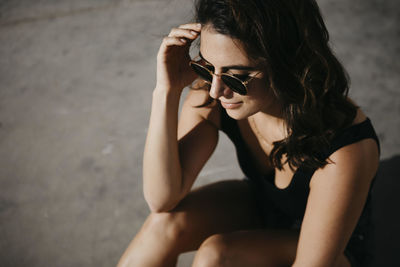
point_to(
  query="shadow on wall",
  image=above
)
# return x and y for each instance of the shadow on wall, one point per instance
(386, 213)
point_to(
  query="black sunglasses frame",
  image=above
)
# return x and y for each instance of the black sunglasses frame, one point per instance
(242, 89)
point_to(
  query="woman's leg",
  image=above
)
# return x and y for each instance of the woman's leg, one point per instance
(220, 207)
(261, 247)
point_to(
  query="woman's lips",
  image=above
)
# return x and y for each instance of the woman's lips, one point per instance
(231, 105)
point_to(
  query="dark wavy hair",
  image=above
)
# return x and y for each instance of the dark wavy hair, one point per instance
(291, 39)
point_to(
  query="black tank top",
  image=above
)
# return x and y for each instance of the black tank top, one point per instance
(292, 200)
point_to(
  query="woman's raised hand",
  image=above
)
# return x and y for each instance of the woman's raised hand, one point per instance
(173, 70)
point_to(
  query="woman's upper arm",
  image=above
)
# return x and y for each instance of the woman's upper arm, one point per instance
(338, 193)
(197, 136)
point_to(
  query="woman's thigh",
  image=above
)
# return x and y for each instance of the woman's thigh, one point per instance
(220, 207)
(263, 247)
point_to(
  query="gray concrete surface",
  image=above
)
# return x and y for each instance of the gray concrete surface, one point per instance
(75, 88)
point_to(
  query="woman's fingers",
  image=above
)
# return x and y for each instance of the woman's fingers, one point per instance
(168, 41)
(173, 69)
(181, 36)
(191, 26)
(183, 33)
(189, 31)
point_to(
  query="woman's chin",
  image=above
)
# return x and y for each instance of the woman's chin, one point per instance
(237, 114)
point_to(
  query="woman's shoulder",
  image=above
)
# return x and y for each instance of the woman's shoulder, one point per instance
(356, 144)
(359, 137)
(354, 153)
(360, 117)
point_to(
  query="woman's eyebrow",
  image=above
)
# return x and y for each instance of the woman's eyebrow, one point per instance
(230, 67)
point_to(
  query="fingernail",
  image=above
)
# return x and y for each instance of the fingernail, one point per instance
(193, 32)
(183, 40)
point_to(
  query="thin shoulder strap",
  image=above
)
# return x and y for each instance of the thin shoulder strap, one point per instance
(348, 136)
(351, 135)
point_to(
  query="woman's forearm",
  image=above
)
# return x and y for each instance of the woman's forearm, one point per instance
(162, 175)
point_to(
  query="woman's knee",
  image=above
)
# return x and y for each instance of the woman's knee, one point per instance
(214, 251)
(227, 250)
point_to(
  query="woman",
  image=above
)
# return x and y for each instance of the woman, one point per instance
(268, 79)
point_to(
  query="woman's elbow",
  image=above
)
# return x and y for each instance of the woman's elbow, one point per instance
(161, 205)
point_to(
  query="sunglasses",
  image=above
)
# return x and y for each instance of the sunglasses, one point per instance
(234, 83)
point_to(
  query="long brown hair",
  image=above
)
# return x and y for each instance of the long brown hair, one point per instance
(291, 39)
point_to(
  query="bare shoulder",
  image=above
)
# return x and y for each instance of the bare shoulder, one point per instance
(357, 161)
(360, 117)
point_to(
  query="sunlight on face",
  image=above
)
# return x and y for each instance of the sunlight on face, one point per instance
(226, 55)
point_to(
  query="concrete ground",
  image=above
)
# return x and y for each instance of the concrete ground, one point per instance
(75, 88)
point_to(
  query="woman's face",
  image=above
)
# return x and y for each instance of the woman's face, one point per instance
(227, 56)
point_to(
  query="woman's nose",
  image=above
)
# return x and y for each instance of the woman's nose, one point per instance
(218, 87)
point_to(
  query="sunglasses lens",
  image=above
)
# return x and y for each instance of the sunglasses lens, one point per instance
(235, 84)
(202, 72)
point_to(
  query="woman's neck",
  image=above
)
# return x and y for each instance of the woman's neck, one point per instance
(267, 127)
